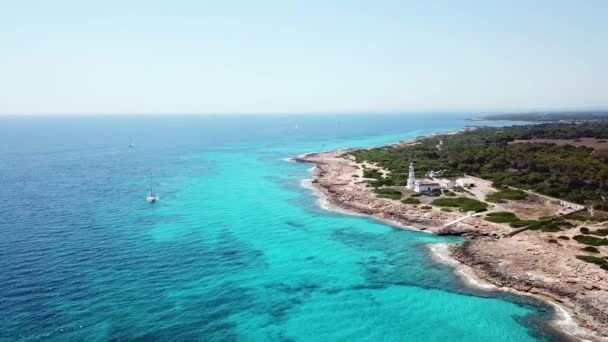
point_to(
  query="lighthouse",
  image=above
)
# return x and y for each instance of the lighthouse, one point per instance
(411, 177)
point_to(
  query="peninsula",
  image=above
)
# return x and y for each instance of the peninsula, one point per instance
(530, 201)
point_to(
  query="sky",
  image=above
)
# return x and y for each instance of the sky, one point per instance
(230, 56)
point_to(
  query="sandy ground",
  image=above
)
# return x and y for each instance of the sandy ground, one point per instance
(527, 262)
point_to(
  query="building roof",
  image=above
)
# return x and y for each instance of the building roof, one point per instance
(425, 182)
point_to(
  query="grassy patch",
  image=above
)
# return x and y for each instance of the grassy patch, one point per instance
(599, 232)
(461, 189)
(465, 204)
(501, 217)
(506, 194)
(372, 173)
(447, 210)
(388, 193)
(521, 223)
(576, 217)
(590, 249)
(591, 240)
(546, 225)
(592, 259)
(411, 200)
(449, 193)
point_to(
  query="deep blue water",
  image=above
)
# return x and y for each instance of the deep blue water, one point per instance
(235, 249)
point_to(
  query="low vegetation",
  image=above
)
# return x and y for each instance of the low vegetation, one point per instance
(547, 225)
(599, 232)
(388, 193)
(461, 189)
(590, 249)
(592, 259)
(521, 223)
(465, 204)
(591, 240)
(576, 217)
(501, 217)
(411, 200)
(507, 194)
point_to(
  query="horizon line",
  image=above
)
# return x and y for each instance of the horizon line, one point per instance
(412, 111)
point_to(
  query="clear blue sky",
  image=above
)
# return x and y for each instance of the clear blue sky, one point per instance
(136, 56)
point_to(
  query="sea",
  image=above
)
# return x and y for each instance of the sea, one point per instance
(235, 249)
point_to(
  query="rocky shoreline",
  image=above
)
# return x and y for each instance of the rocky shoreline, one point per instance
(527, 263)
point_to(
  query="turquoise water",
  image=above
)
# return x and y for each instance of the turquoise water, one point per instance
(235, 249)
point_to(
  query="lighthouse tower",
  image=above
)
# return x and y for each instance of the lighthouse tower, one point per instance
(411, 177)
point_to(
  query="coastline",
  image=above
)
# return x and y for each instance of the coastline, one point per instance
(335, 193)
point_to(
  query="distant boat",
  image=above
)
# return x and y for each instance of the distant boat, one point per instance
(151, 198)
(131, 144)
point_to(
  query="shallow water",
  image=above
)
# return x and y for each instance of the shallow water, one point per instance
(235, 249)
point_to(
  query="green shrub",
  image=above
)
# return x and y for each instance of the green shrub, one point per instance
(598, 218)
(388, 193)
(507, 194)
(599, 232)
(502, 217)
(465, 204)
(449, 193)
(521, 223)
(552, 241)
(601, 206)
(461, 189)
(591, 259)
(584, 230)
(563, 237)
(547, 225)
(576, 217)
(372, 173)
(591, 240)
(411, 200)
(590, 249)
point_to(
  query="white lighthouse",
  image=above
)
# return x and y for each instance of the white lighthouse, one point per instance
(411, 177)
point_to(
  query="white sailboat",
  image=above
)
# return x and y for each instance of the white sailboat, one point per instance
(151, 197)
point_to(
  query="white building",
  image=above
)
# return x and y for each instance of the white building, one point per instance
(464, 182)
(426, 185)
(571, 205)
(411, 177)
(445, 183)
